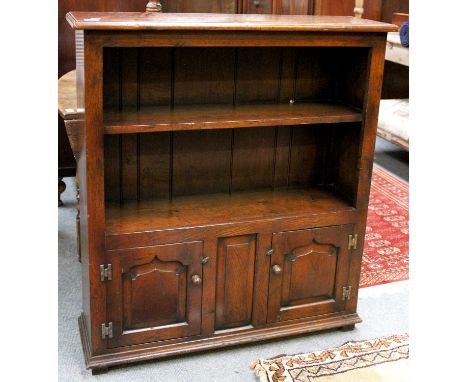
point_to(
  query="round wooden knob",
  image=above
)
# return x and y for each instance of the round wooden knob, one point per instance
(196, 280)
(276, 269)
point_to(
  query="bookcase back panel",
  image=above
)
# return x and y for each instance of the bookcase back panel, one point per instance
(352, 74)
(258, 75)
(253, 158)
(203, 76)
(308, 155)
(315, 73)
(343, 170)
(201, 162)
(154, 79)
(163, 165)
(137, 77)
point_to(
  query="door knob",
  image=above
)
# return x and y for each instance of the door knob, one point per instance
(276, 269)
(196, 280)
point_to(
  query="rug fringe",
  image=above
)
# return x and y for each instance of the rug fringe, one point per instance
(396, 346)
(259, 370)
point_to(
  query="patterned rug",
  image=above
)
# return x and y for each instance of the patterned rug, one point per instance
(385, 257)
(381, 359)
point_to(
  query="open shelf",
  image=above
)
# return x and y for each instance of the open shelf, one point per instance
(222, 208)
(196, 117)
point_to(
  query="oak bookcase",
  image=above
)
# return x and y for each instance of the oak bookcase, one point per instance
(224, 165)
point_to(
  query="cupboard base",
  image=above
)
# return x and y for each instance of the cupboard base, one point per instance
(146, 352)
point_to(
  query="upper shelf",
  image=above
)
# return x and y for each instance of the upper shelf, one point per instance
(198, 117)
(228, 22)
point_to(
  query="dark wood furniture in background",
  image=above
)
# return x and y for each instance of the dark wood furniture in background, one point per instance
(72, 118)
(381, 10)
(66, 160)
(396, 72)
(225, 165)
(66, 43)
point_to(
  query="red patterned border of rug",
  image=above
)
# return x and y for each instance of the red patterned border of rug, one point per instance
(386, 255)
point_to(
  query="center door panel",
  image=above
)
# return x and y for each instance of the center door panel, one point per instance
(308, 271)
(235, 281)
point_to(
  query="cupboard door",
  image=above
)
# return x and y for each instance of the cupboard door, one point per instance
(155, 293)
(308, 271)
(235, 281)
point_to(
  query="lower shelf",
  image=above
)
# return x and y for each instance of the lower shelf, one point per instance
(218, 209)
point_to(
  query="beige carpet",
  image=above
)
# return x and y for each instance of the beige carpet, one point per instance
(381, 359)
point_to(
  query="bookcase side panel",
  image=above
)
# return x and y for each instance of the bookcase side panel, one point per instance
(91, 178)
(373, 86)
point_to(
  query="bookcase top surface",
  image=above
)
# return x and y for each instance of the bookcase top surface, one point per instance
(228, 22)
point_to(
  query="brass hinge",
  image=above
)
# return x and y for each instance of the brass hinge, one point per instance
(346, 293)
(352, 241)
(269, 252)
(106, 331)
(106, 272)
(204, 259)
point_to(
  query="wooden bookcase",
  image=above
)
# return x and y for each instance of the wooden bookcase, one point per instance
(224, 165)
